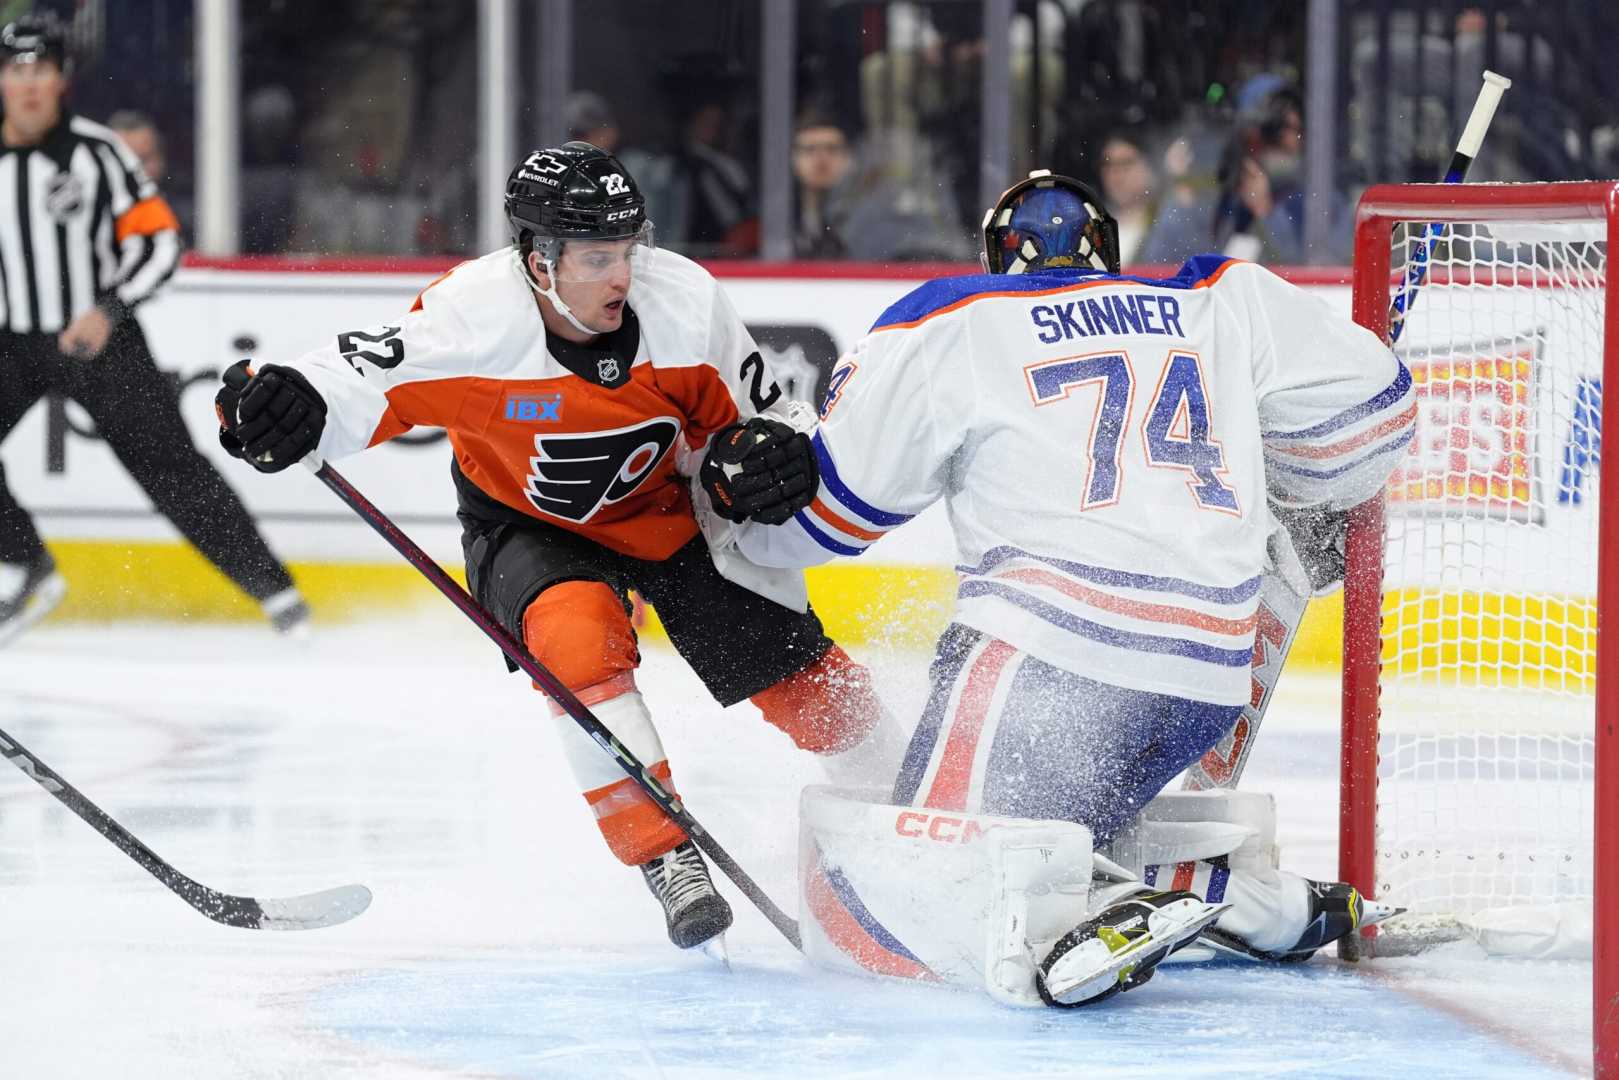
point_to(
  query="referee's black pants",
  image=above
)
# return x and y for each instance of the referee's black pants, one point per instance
(136, 411)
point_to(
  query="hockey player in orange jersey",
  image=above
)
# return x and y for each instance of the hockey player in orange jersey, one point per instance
(581, 376)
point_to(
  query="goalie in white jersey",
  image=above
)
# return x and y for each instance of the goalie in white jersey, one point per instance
(1107, 446)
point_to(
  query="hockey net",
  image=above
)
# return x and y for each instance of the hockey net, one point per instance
(1475, 686)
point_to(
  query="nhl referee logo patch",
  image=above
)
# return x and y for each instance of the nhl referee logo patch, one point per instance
(64, 196)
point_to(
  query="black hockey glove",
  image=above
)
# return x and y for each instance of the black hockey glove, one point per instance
(761, 471)
(270, 418)
(1318, 536)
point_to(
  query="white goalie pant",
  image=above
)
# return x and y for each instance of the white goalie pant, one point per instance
(942, 896)
(1220, 845)
(976, 900)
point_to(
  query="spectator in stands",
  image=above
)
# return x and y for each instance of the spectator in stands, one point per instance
(1261, 207)
(269, 169)
(821, 165)
(1153, 227)
(920, 94)
(712, 195)
(589, 118)
(140, 134)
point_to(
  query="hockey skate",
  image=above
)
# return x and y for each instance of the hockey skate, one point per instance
(1120, 948)
(694, 910)
(41, 589)
(1337, 909)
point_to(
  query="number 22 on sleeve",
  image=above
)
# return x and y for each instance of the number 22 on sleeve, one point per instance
(1176, 433)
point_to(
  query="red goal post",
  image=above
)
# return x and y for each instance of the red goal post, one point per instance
(1466, 595)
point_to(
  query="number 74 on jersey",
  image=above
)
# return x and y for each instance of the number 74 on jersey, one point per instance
(1177, 432)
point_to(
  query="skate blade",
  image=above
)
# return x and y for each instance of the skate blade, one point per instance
(1149, 951)
(1199, 952)
(715, 949)
(42, 603)
(1372, 912)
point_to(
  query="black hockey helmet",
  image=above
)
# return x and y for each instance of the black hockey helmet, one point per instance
(34, 37)
(575, 191)
(1049, 222)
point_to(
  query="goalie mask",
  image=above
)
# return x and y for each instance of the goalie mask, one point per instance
(1049, 222)
(576, 195)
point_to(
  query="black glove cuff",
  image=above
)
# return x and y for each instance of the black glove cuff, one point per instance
(115, 309)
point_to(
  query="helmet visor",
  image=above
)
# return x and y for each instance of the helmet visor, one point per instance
(599, 260)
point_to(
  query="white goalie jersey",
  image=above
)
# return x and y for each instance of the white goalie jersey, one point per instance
(1106, 446)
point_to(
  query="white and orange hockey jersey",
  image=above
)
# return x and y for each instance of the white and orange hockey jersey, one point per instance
(592, 447)
(1105, 446)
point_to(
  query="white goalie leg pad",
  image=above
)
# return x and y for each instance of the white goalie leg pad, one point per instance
(872, 763)
(1171, 843)
(936, 896)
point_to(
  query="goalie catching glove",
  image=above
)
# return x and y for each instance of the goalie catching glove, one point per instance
(271, 418)
(761, 471)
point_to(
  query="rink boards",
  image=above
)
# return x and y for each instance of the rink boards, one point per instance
(123, 561)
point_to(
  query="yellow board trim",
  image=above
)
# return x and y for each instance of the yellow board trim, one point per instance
(1478, 638)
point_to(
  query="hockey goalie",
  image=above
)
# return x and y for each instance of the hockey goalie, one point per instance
(1123, 460)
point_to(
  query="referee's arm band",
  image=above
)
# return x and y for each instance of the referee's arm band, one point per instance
(146, 218)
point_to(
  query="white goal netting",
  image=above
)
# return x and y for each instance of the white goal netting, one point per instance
(1488, 641)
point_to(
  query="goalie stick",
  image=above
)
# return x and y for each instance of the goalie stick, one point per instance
(309, 912)
(667, 801)
(1281, 605)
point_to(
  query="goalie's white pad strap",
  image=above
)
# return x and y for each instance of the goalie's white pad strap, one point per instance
(935, 896)
(1170, 844)
(1188, 826)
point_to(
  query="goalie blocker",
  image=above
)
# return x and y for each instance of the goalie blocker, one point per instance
(1030, 912)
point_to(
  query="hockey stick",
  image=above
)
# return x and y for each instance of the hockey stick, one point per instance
(1281, 607)
(309, 912)
(668, 802)
(1416, 271)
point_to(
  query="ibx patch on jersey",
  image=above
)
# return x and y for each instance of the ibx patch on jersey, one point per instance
(574, 476)
(533, 408)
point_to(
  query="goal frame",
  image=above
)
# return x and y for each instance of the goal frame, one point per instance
(1380, 208)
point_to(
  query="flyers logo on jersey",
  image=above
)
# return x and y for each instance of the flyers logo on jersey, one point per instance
(574, 476)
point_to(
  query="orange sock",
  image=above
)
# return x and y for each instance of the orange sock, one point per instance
(826, 708)
(636, 828)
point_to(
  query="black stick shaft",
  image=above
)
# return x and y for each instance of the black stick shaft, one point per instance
(669, 803)
(232, 910)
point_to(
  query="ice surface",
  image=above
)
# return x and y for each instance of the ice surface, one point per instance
(505, 942)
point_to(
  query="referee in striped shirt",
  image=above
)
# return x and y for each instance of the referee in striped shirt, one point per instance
(84, 239)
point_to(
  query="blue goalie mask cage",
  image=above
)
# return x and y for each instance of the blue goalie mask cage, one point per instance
(1050, 222)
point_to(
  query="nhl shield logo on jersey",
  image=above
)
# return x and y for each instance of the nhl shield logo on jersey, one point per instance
(574, 476)
(64, 196)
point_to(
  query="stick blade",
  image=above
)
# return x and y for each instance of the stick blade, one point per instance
(312, 911)
(315, 911)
